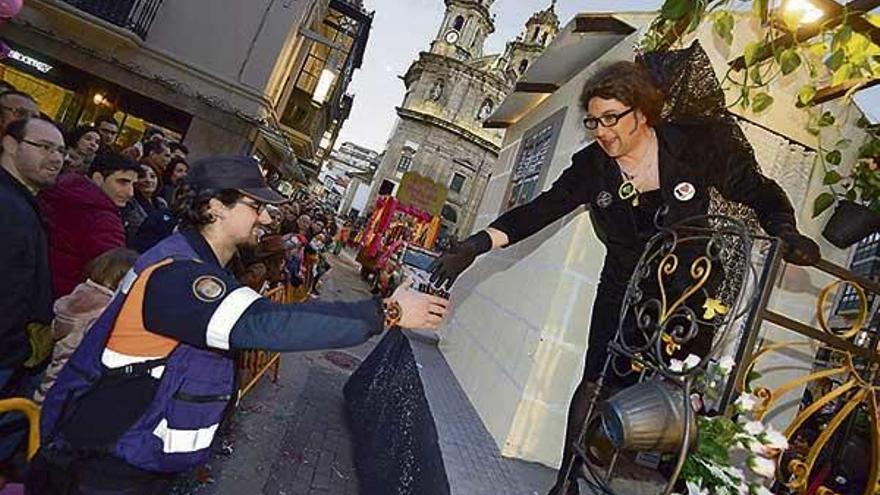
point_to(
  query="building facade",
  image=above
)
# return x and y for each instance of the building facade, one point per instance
(450, 91)
(222, 75)
(346, 177)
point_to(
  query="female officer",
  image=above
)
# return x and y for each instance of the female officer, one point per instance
(636, 166)
(143, 395)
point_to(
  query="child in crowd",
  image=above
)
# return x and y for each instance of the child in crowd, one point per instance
(75, 312)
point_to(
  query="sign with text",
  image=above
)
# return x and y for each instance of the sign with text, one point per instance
(422, 193)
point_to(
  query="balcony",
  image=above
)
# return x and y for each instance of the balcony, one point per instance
(135, 15)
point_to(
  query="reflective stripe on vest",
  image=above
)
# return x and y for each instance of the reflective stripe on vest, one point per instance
(176, 441)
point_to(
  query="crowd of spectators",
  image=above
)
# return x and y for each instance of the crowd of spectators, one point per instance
(76, 210)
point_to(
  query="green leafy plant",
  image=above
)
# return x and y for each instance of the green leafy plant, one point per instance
(834, 57)
(861, 183)
(734, 454)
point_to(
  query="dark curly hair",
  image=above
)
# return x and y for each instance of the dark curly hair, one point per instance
(629, 83)
(191, 205)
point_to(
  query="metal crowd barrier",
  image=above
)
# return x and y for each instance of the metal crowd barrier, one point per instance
(253, 364)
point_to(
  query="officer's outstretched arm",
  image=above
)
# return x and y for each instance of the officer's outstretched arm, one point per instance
(204, 306)
(306, 326)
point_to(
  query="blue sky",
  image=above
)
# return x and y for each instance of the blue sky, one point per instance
(403, 28)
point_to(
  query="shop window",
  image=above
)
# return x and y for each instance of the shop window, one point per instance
(53, 100)
(457, 182)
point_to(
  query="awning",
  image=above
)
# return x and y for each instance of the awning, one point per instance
(289, 167)
(583, 40)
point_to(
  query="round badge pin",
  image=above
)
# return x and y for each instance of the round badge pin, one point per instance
(208, 288)
(604, 199)
(684, 191)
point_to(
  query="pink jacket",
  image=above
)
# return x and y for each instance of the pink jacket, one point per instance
(74, 314)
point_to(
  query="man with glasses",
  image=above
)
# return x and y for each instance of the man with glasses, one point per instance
(15, 105)
(29, 163)
(638, 170)
(142, 398)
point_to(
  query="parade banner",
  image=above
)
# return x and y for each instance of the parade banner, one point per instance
(422, 193)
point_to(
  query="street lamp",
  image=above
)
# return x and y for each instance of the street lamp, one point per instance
(803, 11)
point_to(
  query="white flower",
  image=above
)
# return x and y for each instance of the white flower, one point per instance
(754, 428)
(676, 365)
(692, 361)
(773, 439)
(762, 466)
(696, 488)
(726, 364)
(734, 473)
(746, 402)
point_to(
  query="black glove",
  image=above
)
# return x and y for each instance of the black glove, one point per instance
(449, 266)
(797, 248)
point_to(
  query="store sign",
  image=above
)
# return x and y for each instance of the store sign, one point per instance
(422, 192)
(30, 61)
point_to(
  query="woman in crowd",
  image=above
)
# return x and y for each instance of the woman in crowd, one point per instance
(174, 173)
(83, 143)
(145, 201)
(75, 312)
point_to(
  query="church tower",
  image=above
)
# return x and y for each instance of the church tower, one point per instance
(465, 27)
(540, 30)
(451, 90)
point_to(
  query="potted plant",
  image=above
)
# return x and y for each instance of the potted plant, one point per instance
(734, 453)
(857, 194)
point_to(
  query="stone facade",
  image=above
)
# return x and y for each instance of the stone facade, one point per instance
(450, 91)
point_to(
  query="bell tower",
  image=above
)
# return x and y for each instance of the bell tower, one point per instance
(540, 30)
(465, 27)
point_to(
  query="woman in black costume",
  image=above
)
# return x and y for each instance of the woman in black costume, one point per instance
(636, 166)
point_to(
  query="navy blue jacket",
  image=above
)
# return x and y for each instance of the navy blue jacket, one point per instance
(26, 285)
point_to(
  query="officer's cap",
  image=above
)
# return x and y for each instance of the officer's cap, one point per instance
(232, 172)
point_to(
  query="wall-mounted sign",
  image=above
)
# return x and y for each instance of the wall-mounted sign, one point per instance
(422, 192)
(30, 61)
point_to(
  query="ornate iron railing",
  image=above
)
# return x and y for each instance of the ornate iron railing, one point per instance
(709, 276)
(134, 15)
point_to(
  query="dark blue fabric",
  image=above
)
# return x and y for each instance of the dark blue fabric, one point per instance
(192, 375)
(396, 449)
(171, 307)
(26, 287)
(306, 326)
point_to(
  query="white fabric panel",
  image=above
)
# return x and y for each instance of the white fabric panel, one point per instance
(127, 281)
(184, 441)
(227, 314)
(113, 359)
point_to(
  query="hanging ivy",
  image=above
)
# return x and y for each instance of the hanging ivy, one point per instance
(829, 51)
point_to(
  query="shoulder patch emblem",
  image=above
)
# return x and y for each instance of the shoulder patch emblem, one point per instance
(684, 191)
(208, 288)
(603, 199)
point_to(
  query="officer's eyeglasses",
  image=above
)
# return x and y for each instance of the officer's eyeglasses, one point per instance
(260, 208)
(607, 120)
